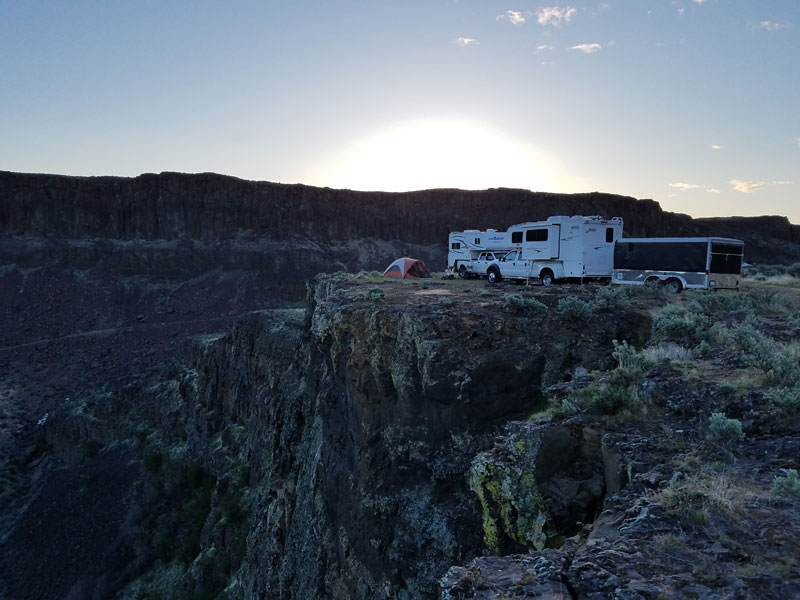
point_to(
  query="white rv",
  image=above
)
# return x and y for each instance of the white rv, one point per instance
(558, 248)
(678, 263)
(467, 249)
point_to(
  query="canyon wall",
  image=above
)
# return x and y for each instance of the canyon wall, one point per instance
(210, 207)
(308, 453)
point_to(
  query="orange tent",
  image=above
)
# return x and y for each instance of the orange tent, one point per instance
(403, 268)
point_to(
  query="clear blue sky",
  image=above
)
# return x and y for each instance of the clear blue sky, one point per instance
(695, 104)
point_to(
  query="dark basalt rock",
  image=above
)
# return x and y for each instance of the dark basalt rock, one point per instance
(210, 207)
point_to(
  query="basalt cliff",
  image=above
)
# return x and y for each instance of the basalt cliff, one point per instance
(190, 411)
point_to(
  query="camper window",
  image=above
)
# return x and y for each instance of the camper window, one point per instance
(477, 241)
(516, 237)
(609, 234)
(455, 246)
(536, 235)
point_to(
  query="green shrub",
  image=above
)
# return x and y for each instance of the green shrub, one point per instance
(615, 395)
(574, 309)
(724, 431)
(718, 334)
(793, 269)
(785, 397)
(611, 400)
(568, 407)
(787, 485)
(610, 299)
(728, 388)
(745, 337)
(721, 302)
(627, 356)
(689, 505)
(445, 301)
(375, 294)
(703, 348)
(769, 301)
(515, 302)
(780, 364)
(624, 377)
(340, 276)
(679, 324)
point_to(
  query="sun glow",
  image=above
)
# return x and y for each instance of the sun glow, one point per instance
(437, 153)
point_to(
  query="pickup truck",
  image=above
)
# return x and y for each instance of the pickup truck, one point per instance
(477, 267)
(512, 266)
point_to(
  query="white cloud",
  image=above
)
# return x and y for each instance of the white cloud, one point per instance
(587, 48)
(681, 12)
(555, 15)
(465, 41)
(685, 187)
(715, 147)
(548, 63)
(513, 16)
(798, 142)
(699, 1)
(783, 183)
(773, 26)
(746, 187)
(544, 48)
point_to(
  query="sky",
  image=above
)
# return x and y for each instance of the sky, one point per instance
(693, 103)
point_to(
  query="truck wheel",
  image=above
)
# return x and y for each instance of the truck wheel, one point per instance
(493, 275)
(462, 272)
(673, 285)
(546, 278)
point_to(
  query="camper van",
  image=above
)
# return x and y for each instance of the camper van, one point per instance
(559, 248)
(678, 263)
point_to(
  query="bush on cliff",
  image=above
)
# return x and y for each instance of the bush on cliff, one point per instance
(724, 431)
(516, 303)
(787, 486)
(574, 310)
(611, 299)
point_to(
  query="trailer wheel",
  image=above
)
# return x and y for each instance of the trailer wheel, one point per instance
(493, 275)
(546, 278)
(462, 272)
(673, 285)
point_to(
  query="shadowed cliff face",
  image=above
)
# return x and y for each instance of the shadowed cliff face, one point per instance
(212, 207)
(316, 453)
(209, 207)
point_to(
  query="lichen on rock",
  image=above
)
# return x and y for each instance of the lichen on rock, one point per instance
(514, 515)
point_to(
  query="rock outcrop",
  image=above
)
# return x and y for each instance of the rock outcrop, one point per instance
(345, 433)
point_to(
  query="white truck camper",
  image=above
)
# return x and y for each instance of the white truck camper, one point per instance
(678, 263)
(559, 248)
(470, 247)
